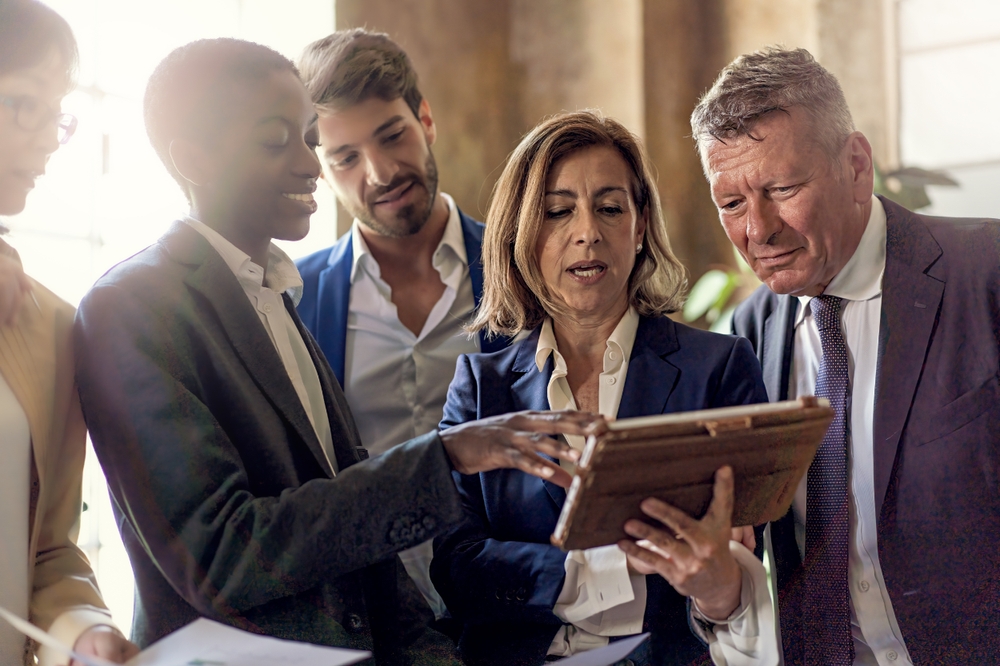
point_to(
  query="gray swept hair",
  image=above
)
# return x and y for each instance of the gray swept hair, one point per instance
(772, 79)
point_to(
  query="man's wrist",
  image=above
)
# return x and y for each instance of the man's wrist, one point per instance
(721, 606)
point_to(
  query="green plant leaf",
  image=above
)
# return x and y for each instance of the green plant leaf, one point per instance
(705, 293)
(724, 323)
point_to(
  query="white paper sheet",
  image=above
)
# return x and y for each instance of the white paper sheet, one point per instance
(208, 643)
(605, 656)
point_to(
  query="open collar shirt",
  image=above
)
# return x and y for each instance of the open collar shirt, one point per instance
(599, 598)
(265, 295)
(396, 382)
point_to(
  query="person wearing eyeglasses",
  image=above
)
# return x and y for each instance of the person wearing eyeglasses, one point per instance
(44, 576)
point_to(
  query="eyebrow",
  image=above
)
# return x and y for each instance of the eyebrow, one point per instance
(599, 193)
(378, 130)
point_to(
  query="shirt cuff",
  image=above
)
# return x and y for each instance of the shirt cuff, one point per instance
(748, 637)
(68, 628)
(597, 579)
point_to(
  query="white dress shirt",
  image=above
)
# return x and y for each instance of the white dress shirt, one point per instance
(15, 500)
(265, 293)
(396, 382)
(599, 597)
(877, 639)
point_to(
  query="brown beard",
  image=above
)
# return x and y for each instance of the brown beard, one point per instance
(414, 216)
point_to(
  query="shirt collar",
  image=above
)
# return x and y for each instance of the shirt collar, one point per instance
(282, 275)
(861, 277)
(453, 242)
(621, 339)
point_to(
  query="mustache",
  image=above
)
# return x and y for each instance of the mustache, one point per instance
(376, 194)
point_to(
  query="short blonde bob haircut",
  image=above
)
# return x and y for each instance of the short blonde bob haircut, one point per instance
(515, 297)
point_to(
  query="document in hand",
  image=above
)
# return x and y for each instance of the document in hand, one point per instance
(673, 457)
(208, 643)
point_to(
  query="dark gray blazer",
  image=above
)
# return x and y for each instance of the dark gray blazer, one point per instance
(936, 435)
(224, 499)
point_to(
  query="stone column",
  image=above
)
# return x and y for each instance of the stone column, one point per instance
(684, 49)
(846, 36)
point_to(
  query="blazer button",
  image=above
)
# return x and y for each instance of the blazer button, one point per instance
(353, 623)
(521, 593)
(497, 594)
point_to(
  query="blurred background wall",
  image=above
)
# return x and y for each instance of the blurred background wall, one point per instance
(920, 77)
(493, 68)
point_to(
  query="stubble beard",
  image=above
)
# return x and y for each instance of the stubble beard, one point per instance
(411, 218)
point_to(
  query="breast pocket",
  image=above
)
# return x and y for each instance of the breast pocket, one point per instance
(957, 414)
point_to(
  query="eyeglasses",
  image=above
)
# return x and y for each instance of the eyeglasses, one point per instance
(32, 115)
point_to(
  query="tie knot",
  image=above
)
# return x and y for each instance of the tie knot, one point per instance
(826, 311)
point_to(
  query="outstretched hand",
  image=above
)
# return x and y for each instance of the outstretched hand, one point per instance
(104, 642)
(692, 555)
(516, 440)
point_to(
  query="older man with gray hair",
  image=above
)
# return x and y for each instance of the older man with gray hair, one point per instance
(890, 553)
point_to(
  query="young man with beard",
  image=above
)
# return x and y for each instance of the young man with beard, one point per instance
(388, 302)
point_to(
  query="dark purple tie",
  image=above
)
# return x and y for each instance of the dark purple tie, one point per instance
(826, 613)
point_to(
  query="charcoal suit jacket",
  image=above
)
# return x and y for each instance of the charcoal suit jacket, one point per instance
(225, 500)
(936, 435)
(498, 572)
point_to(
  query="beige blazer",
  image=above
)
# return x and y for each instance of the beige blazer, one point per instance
(36, 360)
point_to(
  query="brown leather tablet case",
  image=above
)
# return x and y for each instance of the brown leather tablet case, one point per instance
(674, 457)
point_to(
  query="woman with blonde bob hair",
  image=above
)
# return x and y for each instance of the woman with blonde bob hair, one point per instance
(576, 252)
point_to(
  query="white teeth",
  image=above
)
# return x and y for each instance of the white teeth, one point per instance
(308, 198)
(587, 272)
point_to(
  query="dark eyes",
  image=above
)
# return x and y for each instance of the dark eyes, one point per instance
(347, 161)
(607, 211)
(394, 137)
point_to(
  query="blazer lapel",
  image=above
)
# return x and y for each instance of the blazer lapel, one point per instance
(31, 377)
(214, 280)
(910, 302)
(530, 391)
(779, 332)
(347, 446)
(472, 233)
(334, 300)
(651, 378)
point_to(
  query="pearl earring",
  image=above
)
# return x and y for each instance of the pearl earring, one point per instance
(638, 248)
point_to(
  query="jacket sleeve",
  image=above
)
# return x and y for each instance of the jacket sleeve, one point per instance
(481, 576)
(180, 482)
(65, 600)
(741, 382)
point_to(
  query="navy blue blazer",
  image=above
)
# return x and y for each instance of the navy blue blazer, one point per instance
(326, 292)
(498, 572)
(936, 436)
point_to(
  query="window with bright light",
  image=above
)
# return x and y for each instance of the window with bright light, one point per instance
(949, 56)
(106, 196)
